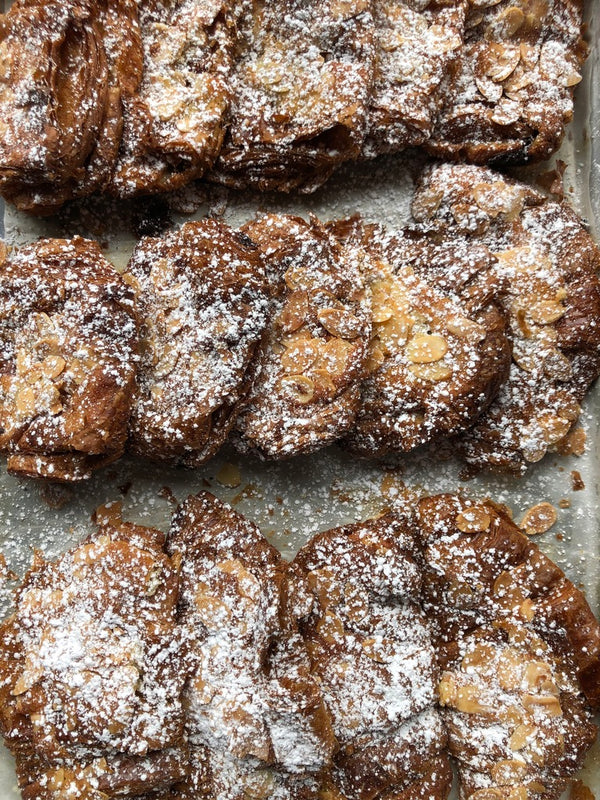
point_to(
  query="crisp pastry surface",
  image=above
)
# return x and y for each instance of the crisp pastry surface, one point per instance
(519, 648)
(202, 298)
(175, 122)
(68, 349)
(301, 85)
(437, 354)
(67, 67)
(370, 649)
(549, 264)
(416, 44)
(219, 670)
(511, 93)
(90, 669)
(256, 721)
(306, 388)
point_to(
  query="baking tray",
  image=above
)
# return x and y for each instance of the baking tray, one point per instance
(291, 501)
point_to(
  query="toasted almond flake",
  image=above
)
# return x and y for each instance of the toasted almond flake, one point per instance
(340, 322)
(521, 735)
(545, 312)
(426, 348)
(299, 388)
(229, 475)
(474, 519)
(431, 372)
(508, 771)
(549, 704)
(538, 519)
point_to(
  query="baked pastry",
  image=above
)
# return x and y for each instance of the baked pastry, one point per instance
(416, 44)
(301, 85)
(438, 354)
(175, 122)
(91, 669)
(371, 652)
(68, 350)
(202, 298)
(519, 648)
(549, 264)
(306, 390)
(511, 93)
(255, 720)
(66, 67)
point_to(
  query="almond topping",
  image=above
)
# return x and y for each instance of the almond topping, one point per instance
(299, 388)
(340, 322)
(433, 373)
(426, 348)
(473, 520)
(549, 704)
(538, 519)
(520, 736)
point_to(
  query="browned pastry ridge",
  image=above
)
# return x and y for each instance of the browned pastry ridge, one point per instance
(66, 66)
(510, 95)
(438, 354)
(68, 350)
(90, 669)
(370, 650)
(301, 85)
(519, 648)
(202, 298)
(256, 721)
(416, 44)
(306, 389)
(549, 264)
(174, 124)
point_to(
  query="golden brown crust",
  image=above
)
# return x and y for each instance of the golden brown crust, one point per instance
(202, 298)
(549, 265)
(66, 68)
(519, 648)
(68, 344)
(300, 90)
(306, 391)
(255, 717)
(372, 655)
(438, 354)
(416, 45)
(174, 124)
(511, 94)
(91, 668)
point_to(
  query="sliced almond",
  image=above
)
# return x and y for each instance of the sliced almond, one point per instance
(426, 348)
(501, 60)
(300, 355)
(464, 328)
(298, 388)
(473, 520)
(521, 736)
(433, 373)
(545, 312)
(509, 771)
(549, 704)
(294, 313)
(53, 366)
(229, 475)
(468, 701)
(538, 519)
(331, 628)
(340, 322)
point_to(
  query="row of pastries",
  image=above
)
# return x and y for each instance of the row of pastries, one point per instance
(202, 664)
(132, 97)
(478, 321)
